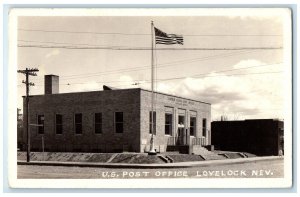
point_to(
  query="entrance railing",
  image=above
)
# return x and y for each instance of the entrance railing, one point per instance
(199, 141)
(179, 141)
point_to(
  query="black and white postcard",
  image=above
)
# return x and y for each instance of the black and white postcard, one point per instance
(150, 98)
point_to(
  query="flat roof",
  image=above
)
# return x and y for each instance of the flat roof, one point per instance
(52, 75)
(122, 90)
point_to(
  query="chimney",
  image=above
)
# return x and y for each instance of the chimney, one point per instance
(51, 84)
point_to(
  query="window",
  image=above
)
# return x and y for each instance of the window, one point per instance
(154, 122)
(98, 122)
(204, 127)
(168, 124)
(181, 120)
(40, 122)
(78, 123)
(192, 126)
(58, 124)
(119, 122)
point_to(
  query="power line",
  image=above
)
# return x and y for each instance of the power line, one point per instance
(81, 32)
(140, 34)
(172, 65)
(176, 78)
(70, 77)
(83, 44)
(220, 71)
(162, 65)
(103, 46)
(236, 35)
(147, 48)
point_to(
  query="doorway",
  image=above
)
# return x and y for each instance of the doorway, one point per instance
(181, 130)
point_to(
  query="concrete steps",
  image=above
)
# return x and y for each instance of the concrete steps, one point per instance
(166, 158)
(201, 151)
(206, 154)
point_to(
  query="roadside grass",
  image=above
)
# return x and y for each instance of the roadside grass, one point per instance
(185, 157)
(147, 159)
(133, 158)
(66, 157)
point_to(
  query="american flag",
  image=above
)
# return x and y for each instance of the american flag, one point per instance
(168, 39)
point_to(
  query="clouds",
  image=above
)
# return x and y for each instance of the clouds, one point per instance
(54, 52)
(249, 96)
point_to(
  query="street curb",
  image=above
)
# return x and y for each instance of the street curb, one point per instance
(142, 166)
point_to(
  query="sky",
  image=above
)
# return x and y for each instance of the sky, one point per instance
(240, 84)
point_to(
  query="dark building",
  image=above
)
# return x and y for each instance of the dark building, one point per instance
(114, 120)
(260, 137)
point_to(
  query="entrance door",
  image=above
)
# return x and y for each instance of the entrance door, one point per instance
(181, 130)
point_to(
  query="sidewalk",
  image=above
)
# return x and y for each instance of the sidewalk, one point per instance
(166, 165)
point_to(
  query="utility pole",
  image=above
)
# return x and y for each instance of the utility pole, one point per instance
(27, 72)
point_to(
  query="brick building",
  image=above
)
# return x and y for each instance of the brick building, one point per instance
(114, 120)
(260, 136)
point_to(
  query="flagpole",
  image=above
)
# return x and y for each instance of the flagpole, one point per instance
(152, 150)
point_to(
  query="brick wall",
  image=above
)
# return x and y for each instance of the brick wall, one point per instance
(175, 105)
(135, 105)
(87, 103)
